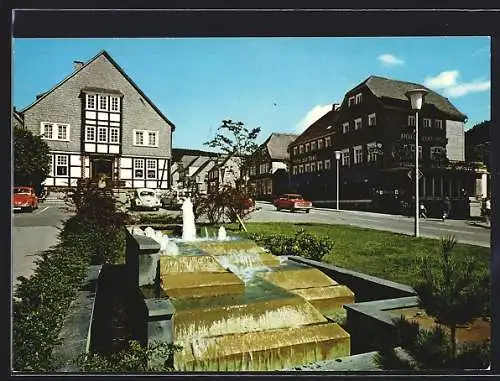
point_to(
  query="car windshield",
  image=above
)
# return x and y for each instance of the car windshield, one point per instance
(22, 191)
(295, 197)
(147, 193)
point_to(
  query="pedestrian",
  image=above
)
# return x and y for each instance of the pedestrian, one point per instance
(423, 210)
(446, 208)
(487, 209)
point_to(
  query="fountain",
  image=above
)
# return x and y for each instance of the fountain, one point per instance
(237, 307)
(222, 235)
(188, 226)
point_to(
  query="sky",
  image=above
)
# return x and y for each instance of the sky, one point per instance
(278, 84)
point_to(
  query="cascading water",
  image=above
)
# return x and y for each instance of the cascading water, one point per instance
(222, 236)
(188, 226)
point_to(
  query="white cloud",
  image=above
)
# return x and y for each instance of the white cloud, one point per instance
(390, 59)
(442, 80)
(447, 81)
(313, 115)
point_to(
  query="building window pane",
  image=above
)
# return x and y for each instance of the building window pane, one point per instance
(139, 138)
(320, 144)
(351, 101)
(114, 135)
(152, 138)
(313, 146)
(47, 131)
(359, 98)
(438, 123)
(61, 165)
(313, 167)
(357, 124)
(358, 155)
(301, 148)
(328, 164)
(307, 147)
(139, 168)
(328, 141)
(345, 127)
(346, 157)
(62, 132)
(372, 120)
(411, 120)
(151, 169)
(89, 133)
(102, 135)
(427, 122)
(103, 102)
(294, 151)
(91, 101)
(320, 165)
(115, 104)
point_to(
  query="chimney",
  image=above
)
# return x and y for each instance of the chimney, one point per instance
(77, 65)
(335, 106)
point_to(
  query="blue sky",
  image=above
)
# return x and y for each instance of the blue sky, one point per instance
(278, 84)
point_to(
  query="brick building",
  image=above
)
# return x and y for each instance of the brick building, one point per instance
(374, 129)
(98, 123)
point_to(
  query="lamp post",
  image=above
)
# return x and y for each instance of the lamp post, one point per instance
(416, 97)
(337, 158)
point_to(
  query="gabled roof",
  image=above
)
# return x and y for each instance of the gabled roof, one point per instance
(321, 127)
(277, 145)
(204, 166)
(178, 153)
(18, 116)
(385, 88)
(113, 62)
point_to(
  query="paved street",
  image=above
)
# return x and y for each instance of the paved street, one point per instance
(433, 228)
(33, 233)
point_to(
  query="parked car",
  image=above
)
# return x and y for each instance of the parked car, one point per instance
(24, 198)
(292, 202)
(145, 198)
(174, 199)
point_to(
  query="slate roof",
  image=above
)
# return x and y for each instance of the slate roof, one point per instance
(385, 88)
(321, 127)
(277, 145)
(113, 62)
(178, 153)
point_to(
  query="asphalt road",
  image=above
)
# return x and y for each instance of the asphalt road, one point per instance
(33, 233)
(432, 228)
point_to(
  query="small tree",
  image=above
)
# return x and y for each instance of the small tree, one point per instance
(31, 159)
(450, 289)
(233, 139)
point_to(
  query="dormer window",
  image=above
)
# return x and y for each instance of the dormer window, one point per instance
(351, 101)
(359, 98)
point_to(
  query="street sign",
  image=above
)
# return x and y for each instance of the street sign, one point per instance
(411, 174)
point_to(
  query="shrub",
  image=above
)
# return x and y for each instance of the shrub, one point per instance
(166, 219)
(156, 357)
(302, 244)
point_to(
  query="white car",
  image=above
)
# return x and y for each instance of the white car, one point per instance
(145, 198)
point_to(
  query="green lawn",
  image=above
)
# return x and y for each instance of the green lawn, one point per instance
(386, 255)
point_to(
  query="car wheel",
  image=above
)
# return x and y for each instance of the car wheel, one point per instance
(278, 209)
(307, 210)
(292, 210)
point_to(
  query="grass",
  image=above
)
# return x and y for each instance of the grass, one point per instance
(386, 255)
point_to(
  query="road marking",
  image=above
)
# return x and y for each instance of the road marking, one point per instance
(43, 210)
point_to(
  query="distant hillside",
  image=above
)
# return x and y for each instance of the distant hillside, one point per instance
(177, 153)
(477, 143)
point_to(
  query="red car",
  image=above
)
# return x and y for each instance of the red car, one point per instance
(24, 198)
(293, 202)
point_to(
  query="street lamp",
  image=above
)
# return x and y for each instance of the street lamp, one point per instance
(337, 157)
(416, 97)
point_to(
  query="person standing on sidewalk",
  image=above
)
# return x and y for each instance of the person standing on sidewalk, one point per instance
(446, 208)
(487, 210)
(423, 210)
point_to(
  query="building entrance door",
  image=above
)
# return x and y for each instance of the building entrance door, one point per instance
(102, 168)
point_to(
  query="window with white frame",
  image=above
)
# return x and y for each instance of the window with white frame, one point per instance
(307, 167)
(412, 148)
(90, 101)
(313, 167)
(115, 104)
(411, 120)
(151, 168)
(301, 148)
(307, 147)
(438, 123)
(328, 164)
(152, 138)
(301, 168)
(358, 123)
(372, 119)
(320, 144)
(294, 170)
(320, 165)
(103, 102)
(295, 150)
(90, 133)
(313, 146)
(359, 98)
(139, 138)
(114, 135)
(358, 154)
(146, 138)
(372, 152)
(328, 141)
(346, 157)
(345, 127)
(437, 152)
(102, 134)
(55, 131)
(61, 165)
(427, 122)
(351, 101)
(139, 168)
